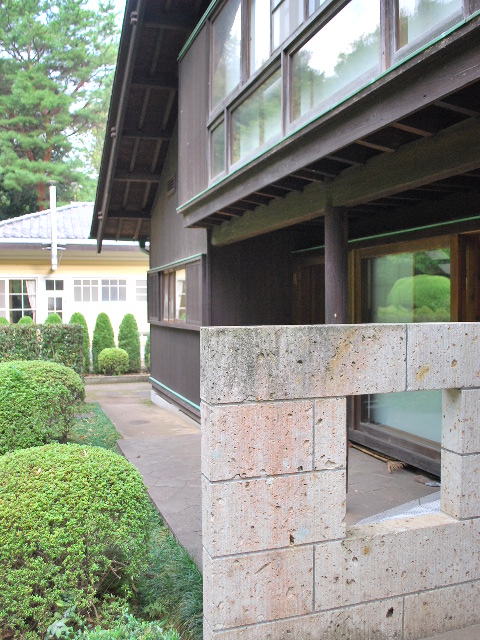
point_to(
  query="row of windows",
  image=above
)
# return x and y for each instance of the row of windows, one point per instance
(344, 53)
(106, 290)
(175, 295)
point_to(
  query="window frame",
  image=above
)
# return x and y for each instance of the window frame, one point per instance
(53, 294)
(8, 309)
(82, 286)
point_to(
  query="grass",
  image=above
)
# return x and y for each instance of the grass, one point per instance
(170, 591)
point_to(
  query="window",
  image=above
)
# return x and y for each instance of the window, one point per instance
(417, 17)
(259, 33)
(346, 48)
(226, 55)
(217, 150)
(153, 289)
(54, 296)
(141, 290)
(85, 290)
(175, 295)
(22, 299)
(287, 15)
(114, 290)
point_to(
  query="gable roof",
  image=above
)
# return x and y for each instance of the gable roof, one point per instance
(73, 223)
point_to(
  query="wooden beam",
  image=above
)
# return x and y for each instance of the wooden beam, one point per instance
(336, 266)
(125, 176)
(170, 21)
(140, 134)
(125, 214)
(158, 82)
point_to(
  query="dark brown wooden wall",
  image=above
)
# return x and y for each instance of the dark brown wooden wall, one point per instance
(193, 115)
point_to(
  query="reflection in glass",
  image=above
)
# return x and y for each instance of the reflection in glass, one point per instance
(180, 295)
(313, 5)
(287, 16)
(217, 148)
(419, 16)
(226, 41)
(259, 119)
(339, 54)
(408, 287)
(259, 33)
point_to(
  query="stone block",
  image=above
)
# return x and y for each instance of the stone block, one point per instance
(251, 440)
(274, 512)
(461, 420)
(433, 612)
(460, 495)
(248, 364)
(259, 587)
(396, 557)
(331, 433)
(443, 356)
(373, 621)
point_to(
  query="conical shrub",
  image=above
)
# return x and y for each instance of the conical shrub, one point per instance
(129, 340)
(79, 318)
(102, 338)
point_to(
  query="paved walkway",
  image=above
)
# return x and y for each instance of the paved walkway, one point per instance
(164, 445)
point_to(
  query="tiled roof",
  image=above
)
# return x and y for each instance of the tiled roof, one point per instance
(73, 223)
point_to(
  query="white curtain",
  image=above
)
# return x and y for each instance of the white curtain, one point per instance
(32, 295)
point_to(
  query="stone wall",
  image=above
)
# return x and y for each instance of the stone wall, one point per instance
(279, 562)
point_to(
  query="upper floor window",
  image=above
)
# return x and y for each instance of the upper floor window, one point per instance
(226, 50)
(417, 17)
(114, 290)
(287, 15)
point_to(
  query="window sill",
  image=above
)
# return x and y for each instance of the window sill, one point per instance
(175, 325)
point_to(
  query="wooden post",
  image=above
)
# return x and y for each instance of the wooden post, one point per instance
(336, 266)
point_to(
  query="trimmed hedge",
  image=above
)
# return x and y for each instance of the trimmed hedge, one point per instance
(129, 339)
(52, 342)
(37, 403)
(113, 361)
(128, 628)
(53, 318)
(79, 318)
(74, 523)
(25, 320)
(102, 338)
(4, 321)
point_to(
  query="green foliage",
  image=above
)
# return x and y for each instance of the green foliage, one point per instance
(128, 628)
(36, 403)
(102, 338)
(74, 524)
(55, 61)
(79, 318)
(25, 320)
(91, 426)
(129, 339)
(4, 320)
(113, 361)
(422, 290)
(147, 352)
(172, 587)
(53, 318)
(55, 343)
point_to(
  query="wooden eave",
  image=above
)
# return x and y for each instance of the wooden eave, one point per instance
(429, 99)
(142, 116)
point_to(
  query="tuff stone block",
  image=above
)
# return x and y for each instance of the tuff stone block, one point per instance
(250, 364)
(373, 621)
(460, 496)
(330, 433)
(396, 557)
(461, 420)
(273, 512)
(432, 612)
(443, 356)
(259, 587)
(249, 440)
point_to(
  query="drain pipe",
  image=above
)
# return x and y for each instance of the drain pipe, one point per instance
(53, 224)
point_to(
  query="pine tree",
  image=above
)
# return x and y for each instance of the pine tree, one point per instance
(102, 338)
(129, 339)
(79, 318)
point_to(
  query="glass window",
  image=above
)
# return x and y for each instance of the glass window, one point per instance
(141, 290)
(313, 5)
(226, 50)
(259, 119)
(180, 295)
(286, 17)
(338, 55)
(259, 33)
(416, 17)
(55, 302)
(217, 142)
(85, 290)
(114, 290)
(22, 299)
(407, 287)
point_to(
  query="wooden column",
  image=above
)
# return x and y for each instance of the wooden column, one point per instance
(336, 266)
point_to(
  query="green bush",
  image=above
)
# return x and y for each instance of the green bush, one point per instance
(113, 361)
(37, 403)
(421, 291)
(4, 320)
(20, 342)
(147, 352)
(74, 524)
(25, 320)
(79, 318)
(129, 339)
(102, 338)
(53, 318)
(128, 628)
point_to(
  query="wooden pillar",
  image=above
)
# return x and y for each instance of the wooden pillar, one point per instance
(336, 265)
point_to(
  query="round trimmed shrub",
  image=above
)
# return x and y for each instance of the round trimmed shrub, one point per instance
(53, 318)
(4, 320)
(421, 291)
(102, 338)
(147, 352)
(113, 361)
(79, 318)
(37, 402)
(25, 320)
(129, 339)
(74, 523)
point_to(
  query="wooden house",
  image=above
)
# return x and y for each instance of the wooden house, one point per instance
(296, 162)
